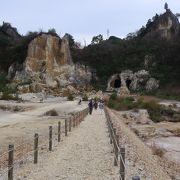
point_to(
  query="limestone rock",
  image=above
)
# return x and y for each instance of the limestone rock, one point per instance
(48, 66)
(24, 89)
(143, 117)
(152, 84)
(166, 26)
(127, 80)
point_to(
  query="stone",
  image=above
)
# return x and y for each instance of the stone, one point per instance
(126, 81)
(24, 88)
(152, 84)
(143, 117)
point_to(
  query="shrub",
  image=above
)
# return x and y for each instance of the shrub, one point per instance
(128, 103)
(113, 96)
(51, 112)
(85, 97)
(111, 104)
(157, 151)
(7, 96)
(154, 110)
(70, 97)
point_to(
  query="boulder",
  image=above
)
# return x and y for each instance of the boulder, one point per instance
(152, 84)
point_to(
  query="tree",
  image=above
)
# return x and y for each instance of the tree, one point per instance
(166, 6)
(154, 18)
(52, 31)
(71, 40)
(148, 23)
(97, 39)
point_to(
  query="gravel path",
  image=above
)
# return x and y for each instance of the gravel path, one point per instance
(84, 155)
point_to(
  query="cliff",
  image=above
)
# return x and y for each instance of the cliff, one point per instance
(165, 26)
(47, 67)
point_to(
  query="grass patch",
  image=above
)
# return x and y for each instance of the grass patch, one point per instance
(70, 97)
(52, 112)
(7, 96)
(129, 103)
(85, 97)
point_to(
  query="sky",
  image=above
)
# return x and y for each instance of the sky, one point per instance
(83, 19)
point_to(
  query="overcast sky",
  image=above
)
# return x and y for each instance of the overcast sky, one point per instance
(82, 18)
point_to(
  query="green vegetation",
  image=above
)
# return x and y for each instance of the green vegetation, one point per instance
(129, 103)
(85, 97)
(97, 39)
(115, 55)
(166, 93)
(7, 96)
(70, 97)
(3, 82)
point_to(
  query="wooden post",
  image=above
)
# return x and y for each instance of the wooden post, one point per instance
(10, 162)
(74, 121)
(116, 151)
(70, 123)
(36, 148)
(65, 127)
(114, 145)
(111, 132)
(59, 131)
(122, 163)
(50, 138)
(78, 119)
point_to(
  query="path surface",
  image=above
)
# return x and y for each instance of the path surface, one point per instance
(84, 155)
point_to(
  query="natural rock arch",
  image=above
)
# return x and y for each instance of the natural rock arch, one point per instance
(116, 82)
(128, 82)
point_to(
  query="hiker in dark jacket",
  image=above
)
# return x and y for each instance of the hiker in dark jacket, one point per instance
(90, 106)
(95, 104)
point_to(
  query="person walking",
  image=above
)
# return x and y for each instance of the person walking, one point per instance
(101, 106)
(79, 103)
(95, 104)
(90, 106)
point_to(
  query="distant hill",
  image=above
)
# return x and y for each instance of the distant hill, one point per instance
(155, 47)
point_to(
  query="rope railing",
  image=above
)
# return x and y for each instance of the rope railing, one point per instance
(119, 152)
(23, 152)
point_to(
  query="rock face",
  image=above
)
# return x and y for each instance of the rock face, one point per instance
(127, 80)
(48, 66)
(165, 26)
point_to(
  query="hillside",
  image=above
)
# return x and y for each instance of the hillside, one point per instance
(154, 47)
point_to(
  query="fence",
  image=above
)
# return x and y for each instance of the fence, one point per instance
(28, 152)
(119, 152)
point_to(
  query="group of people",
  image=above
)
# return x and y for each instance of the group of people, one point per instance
(94, 104)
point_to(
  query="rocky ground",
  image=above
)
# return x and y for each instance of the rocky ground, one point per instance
(162, 138)
(140, 160)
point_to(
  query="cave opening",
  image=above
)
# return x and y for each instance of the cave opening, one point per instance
(117, 83)
(128, 82)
